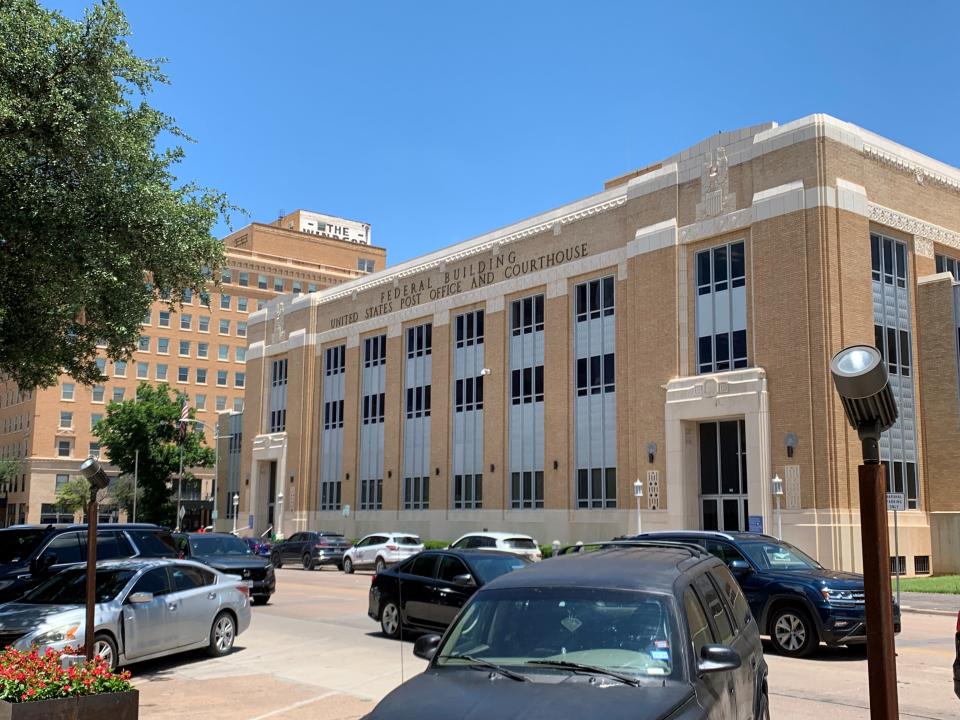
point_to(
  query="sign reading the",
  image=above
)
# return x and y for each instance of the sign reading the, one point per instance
(896, 502)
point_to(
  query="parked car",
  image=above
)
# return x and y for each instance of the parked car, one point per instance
(651, 630)
(380, 550)
(229, 554)
(311, 549)
(31, 553)
(145, 608)
(427, 591)
(257, 546)
(956, 663)
(796, 601)
(523, 545)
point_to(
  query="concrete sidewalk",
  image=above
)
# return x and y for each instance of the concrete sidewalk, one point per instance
(931, 603)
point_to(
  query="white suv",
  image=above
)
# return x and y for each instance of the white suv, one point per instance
(522, 545)
(380, 550)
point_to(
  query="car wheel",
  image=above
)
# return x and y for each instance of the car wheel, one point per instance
(260, 599)
(793, 633)
(106, 649)
(390, 619)
(307, 561)
(379, 565)
(275, 559)
(348, 566)
(222, 634)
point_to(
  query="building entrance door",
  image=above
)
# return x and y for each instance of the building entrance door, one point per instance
(271, 490)
(723, 476)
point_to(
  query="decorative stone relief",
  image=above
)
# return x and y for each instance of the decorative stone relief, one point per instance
(653, 489)
(925, 234)
(715, 196)
(791, 482)
(919, 172)
(279, 332)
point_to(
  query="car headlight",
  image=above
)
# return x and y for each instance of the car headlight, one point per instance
(57, 635)
(838, 597)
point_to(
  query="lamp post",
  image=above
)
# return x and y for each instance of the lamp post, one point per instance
(778, 493)
(236, 504)
(278, 521)
(638, 494)
(91, 470)
(860, 377)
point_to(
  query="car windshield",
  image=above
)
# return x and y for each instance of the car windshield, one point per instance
(406, 539)
(218, 545)
(488, 567)
(17, 544)
(621, 631)
(520, 544)
(774, 555)
(70, 587)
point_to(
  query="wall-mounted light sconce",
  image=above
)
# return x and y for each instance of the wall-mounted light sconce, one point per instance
(291, 479)
(651, 451)
(348, 476)
(389, 473)
(556, 465)
(492, 467)
(437, 471)
(247, 482)
(790, 440)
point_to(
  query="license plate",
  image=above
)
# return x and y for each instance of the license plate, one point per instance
(248, 583)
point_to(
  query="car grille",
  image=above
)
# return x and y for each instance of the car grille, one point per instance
(7, 639)
(249, 573)
(858, 597)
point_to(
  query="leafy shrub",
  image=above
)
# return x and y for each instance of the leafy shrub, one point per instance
(28, 676)
(436, 544)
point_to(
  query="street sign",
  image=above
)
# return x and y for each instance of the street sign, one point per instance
(181, 512)
(250, 522)
(896, 502)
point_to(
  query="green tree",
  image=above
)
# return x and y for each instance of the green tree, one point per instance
(10, 469)
(150, 424)
(119, 494)
(73, 496)
(90, 208)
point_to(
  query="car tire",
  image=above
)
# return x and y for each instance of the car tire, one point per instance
(390, 619)
(793, 633)
(260, 599)
(276, 561)
(307, 561)
(106, 648)
(379, 566)
(348, 566)
(764, 713)
(223, 633)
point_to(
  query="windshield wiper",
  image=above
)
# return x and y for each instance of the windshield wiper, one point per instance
(566, 664)
(480, 662)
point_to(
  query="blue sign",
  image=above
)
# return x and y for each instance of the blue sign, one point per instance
(755, 524)
(250, 522)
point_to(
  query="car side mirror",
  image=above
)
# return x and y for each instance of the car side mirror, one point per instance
(42, 563)
(466, 580)
(426, 647)
(739, 567)
(717, 658)
(139, 598)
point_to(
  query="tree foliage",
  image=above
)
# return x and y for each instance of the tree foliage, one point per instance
(10, 469)
(149, 424)
(73, 496)
(90, 207)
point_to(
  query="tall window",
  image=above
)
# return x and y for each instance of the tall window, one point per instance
(468, 360)
(721, 308)
(469, 328)
(331, 449)
(373, 409)
(468, 492)
(373, 388)
(278, 396)
(892, 335)
(375, 351)
(468, 394)
(526, 408)
(418, 371)
(335, 360)
(420, 340)
(416, 493)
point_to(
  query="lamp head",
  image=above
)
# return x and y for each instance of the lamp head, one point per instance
(94, 474)
(637, 488)
(861, 380)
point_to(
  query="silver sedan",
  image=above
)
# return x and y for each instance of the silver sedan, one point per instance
(145, 609)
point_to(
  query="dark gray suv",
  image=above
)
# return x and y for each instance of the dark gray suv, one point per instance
(656, 630)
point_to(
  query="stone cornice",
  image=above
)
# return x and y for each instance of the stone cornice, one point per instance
(924, 233)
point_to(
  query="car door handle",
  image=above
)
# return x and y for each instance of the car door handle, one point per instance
(213, 596)
(172, 606)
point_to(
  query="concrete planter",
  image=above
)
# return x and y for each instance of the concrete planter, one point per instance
(115, 706)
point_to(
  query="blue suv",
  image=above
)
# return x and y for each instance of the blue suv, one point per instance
(795, 600)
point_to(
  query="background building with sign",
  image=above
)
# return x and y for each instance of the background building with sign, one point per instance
(675, 327)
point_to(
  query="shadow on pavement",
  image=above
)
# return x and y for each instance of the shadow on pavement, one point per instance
(165, 667)
(854, 653)
(409, 636)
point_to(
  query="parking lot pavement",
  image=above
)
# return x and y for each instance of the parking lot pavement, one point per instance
(313, 653)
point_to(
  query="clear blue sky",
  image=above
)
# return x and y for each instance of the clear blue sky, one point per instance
(436, 121)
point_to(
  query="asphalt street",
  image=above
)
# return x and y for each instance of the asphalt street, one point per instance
(314, 653)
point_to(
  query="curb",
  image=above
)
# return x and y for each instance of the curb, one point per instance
(924, 611)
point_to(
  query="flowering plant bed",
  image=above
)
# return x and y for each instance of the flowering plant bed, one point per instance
(35, 685)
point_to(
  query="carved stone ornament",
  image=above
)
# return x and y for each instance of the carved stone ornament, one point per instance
(715, 195)
(924, 233)
(279, 332)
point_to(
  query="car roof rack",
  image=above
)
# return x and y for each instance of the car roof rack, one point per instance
(692, 548)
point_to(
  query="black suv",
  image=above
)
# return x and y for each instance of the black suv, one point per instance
(626, 630)
(796, 600)
(311, 549)
(31, 553)
(233, 556)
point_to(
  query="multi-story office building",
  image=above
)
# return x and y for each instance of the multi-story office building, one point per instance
(674, 329)
(197, 348)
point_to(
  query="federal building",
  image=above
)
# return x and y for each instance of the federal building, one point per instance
(674, 329)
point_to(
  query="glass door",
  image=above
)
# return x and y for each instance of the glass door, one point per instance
(723, 476)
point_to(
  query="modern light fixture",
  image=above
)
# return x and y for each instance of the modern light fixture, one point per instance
(638, 494)
(94, 474)
(651, 451)
(790, 441)
(556, 464)
(860, 377)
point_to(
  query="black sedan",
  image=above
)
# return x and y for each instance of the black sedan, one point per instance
(231, 555)
(427, 591)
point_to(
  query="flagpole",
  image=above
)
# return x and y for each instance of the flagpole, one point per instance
(182, 435)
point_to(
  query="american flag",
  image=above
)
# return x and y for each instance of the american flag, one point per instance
(184, 416)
